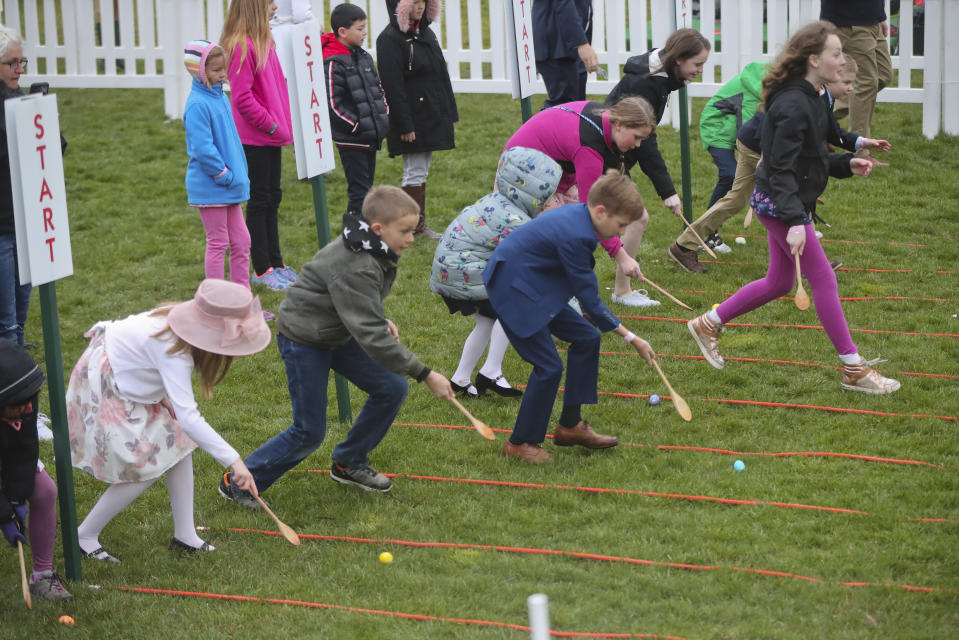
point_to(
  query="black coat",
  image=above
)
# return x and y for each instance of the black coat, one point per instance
(6, 189)
(560, 27)
(655, 89)
(358, 112)
(18, 462)
(417, 83)
(796, 162)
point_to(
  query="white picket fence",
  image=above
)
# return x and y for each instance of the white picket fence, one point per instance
(139, 43)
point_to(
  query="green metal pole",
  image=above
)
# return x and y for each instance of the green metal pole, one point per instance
(61, 433)
(684, 151)
(323, 238)
(527, 109)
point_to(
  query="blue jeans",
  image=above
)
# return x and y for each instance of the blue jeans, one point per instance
(14, 297)
(307, 373)
(725, 160)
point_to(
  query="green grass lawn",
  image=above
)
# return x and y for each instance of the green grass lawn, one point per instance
(136, 243)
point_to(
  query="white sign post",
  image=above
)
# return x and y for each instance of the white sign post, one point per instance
(44, 256)
(522, 58)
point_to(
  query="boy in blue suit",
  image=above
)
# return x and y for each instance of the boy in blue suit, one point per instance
(529, 279)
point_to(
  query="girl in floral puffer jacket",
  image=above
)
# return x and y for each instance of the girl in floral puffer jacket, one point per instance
(525, 180)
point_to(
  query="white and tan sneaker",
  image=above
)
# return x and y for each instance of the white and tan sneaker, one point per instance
(706, 333)
(862, 377)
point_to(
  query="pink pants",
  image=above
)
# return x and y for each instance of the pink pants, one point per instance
(226, 228)
(42, 521)
(781, 277)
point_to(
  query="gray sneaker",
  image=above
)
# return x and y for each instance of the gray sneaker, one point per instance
(49, 586)
(362, 475)
(234, 493)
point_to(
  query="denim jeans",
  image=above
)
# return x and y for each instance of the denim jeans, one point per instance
(307, 373)
(725, 160)
(14, 297)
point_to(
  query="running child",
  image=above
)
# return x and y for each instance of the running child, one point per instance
(795, 168)
(529, 279)
(216, 178)
(333, 319)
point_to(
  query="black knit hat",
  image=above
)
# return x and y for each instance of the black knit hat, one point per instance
(20, 377)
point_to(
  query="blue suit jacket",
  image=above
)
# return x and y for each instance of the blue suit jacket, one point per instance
(559, 26)
(536, 270)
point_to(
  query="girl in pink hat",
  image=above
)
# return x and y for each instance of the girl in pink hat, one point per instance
(131, 410)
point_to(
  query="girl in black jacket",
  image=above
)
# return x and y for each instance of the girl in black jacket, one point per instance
(653, 76)
(795, 166)
(418, 90)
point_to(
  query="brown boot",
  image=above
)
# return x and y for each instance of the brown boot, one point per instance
(685, 258)
(583, 435)
(418, 193)
(531, 453)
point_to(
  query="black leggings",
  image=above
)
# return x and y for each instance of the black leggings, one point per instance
(264, 165)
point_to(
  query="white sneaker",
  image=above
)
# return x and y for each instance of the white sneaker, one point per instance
(716, 244)
(636, 298)
(818, 233)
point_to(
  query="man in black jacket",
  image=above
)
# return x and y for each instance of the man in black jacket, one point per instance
(562, 33)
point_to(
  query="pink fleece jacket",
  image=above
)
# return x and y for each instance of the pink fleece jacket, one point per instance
(259, 99)
(556, 133)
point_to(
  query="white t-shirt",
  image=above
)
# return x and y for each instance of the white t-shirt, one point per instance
(145, 372)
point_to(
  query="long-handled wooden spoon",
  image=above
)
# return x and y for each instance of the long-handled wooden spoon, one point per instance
(702, 242)
(749, 218)
(481, 427)
(285, 529)
(23, 577)
(802, 299)
(667, 294)
(681, 407)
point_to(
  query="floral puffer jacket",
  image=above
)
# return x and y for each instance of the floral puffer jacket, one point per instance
(525, 180)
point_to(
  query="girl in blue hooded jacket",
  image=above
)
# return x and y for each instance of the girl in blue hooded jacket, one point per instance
(216, 175)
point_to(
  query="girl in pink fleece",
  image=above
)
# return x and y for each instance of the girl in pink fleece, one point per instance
(261, 109)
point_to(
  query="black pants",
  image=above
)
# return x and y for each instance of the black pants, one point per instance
(264, 164)
(359, 165)
(565, 80)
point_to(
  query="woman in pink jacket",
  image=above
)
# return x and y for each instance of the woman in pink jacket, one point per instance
(261, 110)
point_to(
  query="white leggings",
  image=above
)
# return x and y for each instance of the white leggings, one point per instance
(416, 168)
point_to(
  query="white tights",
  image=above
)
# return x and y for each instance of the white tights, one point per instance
(179, 481)
(486, 331)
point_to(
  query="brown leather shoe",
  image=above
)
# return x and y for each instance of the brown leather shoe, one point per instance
(531, 453)
(583, 435)
(685, 258)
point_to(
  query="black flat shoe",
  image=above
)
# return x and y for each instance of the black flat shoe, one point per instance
(467, 391)
(101, 555)
(177, 545)
(484, 384)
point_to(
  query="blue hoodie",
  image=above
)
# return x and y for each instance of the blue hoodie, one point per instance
(213, 145)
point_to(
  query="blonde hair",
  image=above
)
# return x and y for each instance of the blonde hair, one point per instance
(385, 204)
(851, 66)
(632, 112)
(791, 64)
(216, 52)
(617, 192)
(212, 367)
(247, 19)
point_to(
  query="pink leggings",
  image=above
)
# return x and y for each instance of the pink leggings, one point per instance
(781, 277)
(42, 521)
(225, 228)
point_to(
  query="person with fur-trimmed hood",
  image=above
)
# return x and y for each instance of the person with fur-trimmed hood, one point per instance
(359, 116)
(418, 89)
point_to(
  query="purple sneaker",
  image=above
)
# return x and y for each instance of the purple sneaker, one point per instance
(270, 279)
(287, 273)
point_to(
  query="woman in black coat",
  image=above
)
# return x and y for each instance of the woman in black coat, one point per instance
(419, 93)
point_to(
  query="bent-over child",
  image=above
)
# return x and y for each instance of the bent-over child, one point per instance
(530, 278)
(333, 319)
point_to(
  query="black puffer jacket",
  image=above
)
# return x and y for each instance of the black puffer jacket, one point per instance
(796, 162)
(358, 112)
(655, 89)
(20, 382)
(413, 73)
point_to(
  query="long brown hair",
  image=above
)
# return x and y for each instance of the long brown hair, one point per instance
(212, 367)
(681, 45)
(792, 61)
(247, 19)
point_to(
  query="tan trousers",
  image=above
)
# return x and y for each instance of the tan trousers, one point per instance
(869, 48)
(730, 204)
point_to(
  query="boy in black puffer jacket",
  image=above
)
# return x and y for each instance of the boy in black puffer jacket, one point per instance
(359, 115)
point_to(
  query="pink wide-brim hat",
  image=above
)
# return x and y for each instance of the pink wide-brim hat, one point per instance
(222, 318)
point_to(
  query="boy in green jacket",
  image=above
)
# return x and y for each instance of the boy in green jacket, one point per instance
(333, 318)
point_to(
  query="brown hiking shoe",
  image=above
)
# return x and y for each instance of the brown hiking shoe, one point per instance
(862, 377)
(706, 334)
(583, 435)
(688, 259)
(531, 453)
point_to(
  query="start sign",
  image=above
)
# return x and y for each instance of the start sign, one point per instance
(39, 195)
(519, 39)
